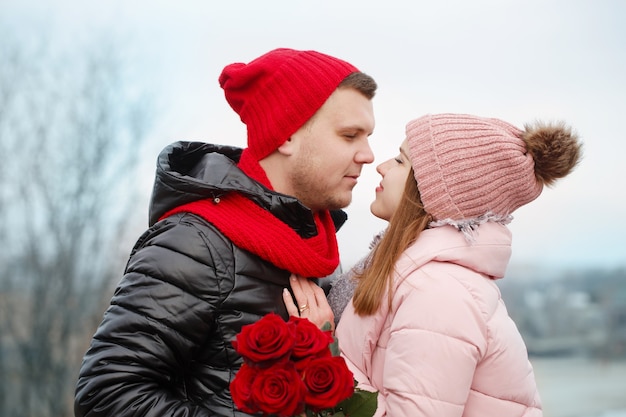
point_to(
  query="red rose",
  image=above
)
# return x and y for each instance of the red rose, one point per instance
(267, 341)
(241, 388)
(328, 382)
(278, 390)
(310, 340)
(289, 370)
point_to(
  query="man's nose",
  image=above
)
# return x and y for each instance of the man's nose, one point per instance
(365, 154)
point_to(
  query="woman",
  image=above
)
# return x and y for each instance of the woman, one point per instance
(427, 327)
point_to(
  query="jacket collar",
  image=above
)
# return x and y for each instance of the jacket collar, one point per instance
(488, 254)
(190, 171)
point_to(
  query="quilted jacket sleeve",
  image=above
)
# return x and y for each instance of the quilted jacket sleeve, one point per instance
(436, 338)
(162, 309)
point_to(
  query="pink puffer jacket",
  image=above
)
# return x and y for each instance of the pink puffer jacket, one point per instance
(447, 347)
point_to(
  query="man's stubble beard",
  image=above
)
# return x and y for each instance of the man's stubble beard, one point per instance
(313, 191)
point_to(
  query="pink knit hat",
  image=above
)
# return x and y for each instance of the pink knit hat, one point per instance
(469, 167)
(278, 92)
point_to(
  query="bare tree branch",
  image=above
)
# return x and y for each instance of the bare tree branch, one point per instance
(71, 137)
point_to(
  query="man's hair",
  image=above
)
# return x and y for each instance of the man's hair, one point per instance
(360, 82)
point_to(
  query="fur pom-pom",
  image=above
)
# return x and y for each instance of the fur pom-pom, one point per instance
(555, 149)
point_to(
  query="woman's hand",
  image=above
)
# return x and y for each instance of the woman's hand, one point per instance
(311, 302)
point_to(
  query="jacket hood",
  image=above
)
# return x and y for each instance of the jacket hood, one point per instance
(489, 254)
(191, 171)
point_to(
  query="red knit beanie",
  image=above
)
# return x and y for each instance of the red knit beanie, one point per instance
(278, 92)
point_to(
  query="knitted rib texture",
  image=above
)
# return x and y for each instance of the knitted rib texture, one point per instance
(467, 166)
(278, 92)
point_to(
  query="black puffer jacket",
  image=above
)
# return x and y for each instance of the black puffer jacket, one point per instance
(164, 345)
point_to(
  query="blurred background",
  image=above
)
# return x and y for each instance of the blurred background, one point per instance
(90, 92)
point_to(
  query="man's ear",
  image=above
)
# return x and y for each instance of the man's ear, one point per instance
(287, 148)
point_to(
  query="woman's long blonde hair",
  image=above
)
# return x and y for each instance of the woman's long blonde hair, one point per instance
(405, 225)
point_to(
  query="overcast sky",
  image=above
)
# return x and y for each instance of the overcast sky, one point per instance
(516, 60)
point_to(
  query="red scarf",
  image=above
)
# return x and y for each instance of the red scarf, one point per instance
(256, 230)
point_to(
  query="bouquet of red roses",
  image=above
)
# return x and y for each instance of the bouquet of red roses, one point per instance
(293, 367)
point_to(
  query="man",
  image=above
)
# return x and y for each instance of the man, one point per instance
(227, 228)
